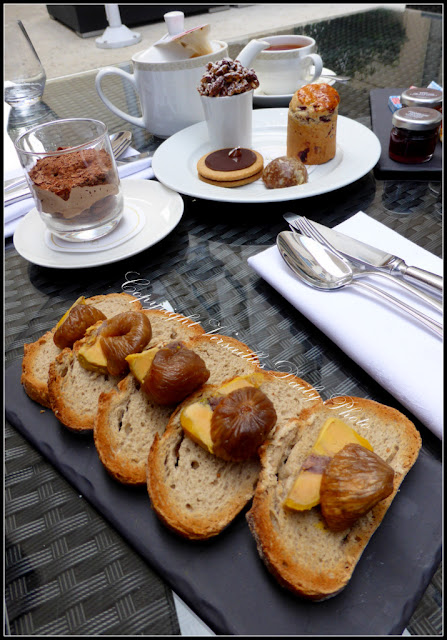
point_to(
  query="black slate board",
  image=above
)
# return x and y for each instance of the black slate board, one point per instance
(222, 579)
(381, 116)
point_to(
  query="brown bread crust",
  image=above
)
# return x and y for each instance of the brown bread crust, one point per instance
(74, 392)
(196, 494)
(64, 389)
(114, 413)
(35, 386)
(39, 354)
(296, 547)
(128, 408)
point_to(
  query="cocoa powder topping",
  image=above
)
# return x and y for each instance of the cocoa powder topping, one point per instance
(60, 174)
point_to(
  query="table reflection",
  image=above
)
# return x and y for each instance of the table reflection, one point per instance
(201, 270)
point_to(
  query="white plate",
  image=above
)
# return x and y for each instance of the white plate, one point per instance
(282, 100)
(162, 208)
(175, 161)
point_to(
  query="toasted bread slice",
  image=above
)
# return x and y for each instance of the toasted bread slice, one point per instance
(195, 493)
(74, 391)
(127, 420)
(38, 355)
(297, 547)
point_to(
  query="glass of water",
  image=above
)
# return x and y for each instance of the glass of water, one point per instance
(24, 75)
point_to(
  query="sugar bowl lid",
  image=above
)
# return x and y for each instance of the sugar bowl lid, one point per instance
(416, 118)
(421, 97)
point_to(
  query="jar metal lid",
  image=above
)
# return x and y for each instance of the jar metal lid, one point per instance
(421, 97)
(416, 118)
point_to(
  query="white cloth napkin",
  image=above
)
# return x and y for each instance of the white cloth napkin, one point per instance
(397, 351)
(137, 170)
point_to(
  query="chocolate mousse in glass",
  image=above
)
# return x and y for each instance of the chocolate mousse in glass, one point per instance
(73, 178)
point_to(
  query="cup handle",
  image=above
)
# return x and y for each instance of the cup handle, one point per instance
(109, 71)
(318, 64)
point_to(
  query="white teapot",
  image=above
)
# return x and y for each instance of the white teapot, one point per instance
(166, 77)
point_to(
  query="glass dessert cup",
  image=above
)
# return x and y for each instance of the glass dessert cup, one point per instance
(72, 175)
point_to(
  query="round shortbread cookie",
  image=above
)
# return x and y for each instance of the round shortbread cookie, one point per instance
(230, 178)
(232, 183)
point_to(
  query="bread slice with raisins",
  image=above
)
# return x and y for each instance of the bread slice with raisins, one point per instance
(297, 547)
(128, 421)
(38, 355)
(74, 391)
(197, 494)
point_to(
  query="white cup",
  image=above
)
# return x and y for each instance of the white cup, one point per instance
(167, 89)
(283, 71)
(229, 120)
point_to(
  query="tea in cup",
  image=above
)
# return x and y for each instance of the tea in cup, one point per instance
(286, 65)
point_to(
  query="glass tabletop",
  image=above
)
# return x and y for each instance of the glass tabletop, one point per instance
(58, 547)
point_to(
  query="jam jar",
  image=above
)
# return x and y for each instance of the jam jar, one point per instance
(414, 134)
(422, 97)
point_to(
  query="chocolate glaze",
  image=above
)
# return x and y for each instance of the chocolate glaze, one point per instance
(224, 160)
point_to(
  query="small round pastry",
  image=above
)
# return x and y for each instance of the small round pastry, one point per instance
(284, 172)
(230, 167)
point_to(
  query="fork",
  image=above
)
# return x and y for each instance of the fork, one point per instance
(307, 228)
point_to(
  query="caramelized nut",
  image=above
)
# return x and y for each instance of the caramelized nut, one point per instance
(125, 333)
(79, 319)
(353, 482)
(174, 374)
(240, 423)
(284, 172)
(227, 77)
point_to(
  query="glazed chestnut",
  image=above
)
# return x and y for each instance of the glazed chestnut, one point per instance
(284, 172)
(174, 374)
(79, 319)
(352, 484)
(125, 333)
(240, 423)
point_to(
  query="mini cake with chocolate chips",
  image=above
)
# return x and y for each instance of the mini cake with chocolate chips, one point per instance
(230, 167)
(312, 124)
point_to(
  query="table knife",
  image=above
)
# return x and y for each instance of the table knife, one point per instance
(374, 257)
(21, 191)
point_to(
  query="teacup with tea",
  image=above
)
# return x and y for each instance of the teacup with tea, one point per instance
(287, 64)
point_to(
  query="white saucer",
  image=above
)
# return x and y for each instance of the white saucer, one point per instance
(133, 221)
(266, 100)
(161, 206)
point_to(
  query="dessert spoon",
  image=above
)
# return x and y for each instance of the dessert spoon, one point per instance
(307, 228)
(321, 269)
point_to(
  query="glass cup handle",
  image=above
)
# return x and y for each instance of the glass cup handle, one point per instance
(139, 122)
(318, 64)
